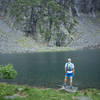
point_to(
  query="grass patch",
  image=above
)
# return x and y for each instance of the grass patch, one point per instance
(98, 19)
(30, 93)
(24, 41)
(27, 43)
(54, 49)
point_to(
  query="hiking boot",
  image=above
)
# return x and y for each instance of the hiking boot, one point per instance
(64, 85)
(70, 87)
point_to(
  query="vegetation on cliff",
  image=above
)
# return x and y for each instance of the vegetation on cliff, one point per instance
(47, 21)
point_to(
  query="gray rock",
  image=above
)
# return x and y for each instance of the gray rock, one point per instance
(10, 97)
(82, 98)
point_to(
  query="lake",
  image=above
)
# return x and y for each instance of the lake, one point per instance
(47, 69)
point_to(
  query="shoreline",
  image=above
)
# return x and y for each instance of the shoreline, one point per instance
(43, 50)
(25, 92)
(39, 50)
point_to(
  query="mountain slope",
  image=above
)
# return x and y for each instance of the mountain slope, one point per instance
(88, 34)
(13, 40)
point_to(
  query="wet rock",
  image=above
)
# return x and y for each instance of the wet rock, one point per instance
(20, 89)
(82, 98)
(10, 97)
(14, 96)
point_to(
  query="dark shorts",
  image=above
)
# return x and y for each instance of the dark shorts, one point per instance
(69, 74)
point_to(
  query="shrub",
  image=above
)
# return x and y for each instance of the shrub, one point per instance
(7, 72)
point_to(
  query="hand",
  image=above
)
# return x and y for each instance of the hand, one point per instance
(65, 72)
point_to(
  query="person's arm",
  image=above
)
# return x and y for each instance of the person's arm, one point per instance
(73, 70)
(65, 68)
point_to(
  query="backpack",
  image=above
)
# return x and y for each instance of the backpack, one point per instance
(69, 67)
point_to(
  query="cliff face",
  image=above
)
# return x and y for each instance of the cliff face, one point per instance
(78, 6)
(85, 6)
(82, 6)
(86, 14)
(88, 30)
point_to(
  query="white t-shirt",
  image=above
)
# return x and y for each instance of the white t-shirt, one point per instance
(72, 66)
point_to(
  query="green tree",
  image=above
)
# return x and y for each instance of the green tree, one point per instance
(57, 15)
(29, 9)
(45, 17)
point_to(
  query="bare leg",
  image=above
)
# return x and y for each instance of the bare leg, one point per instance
(70, 81)
(65, 80)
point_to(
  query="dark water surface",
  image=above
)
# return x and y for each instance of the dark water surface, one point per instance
(47, 69)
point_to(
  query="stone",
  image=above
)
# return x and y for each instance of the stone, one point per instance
(10, 97)
(81, 98)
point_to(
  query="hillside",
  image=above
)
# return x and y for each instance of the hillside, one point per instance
(32, 26)
(13, 40)
(88, 32)
(87, 36)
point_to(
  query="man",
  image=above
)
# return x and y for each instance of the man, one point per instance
(69, 72)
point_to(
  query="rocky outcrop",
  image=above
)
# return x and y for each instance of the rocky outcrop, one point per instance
(87, 34)
(14, 41)
(85, 6)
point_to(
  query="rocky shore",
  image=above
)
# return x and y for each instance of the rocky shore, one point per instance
(19, 92)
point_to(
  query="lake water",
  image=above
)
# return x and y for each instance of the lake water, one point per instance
(47, 69)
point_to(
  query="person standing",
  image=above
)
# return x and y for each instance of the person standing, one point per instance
(69, 72)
